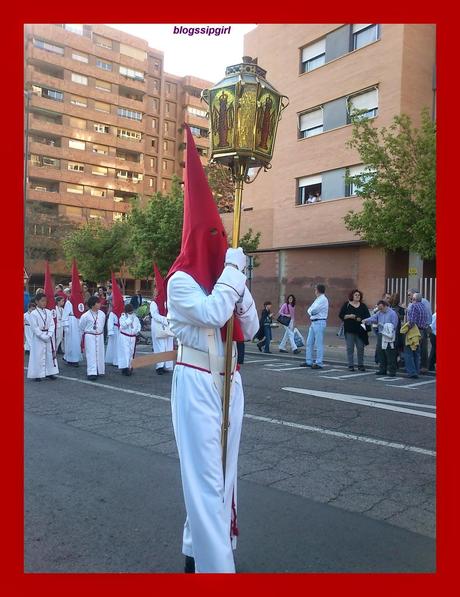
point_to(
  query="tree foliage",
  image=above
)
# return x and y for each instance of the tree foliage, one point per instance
(249, 242)
(220, 181)
(156, 231)
(399, 187)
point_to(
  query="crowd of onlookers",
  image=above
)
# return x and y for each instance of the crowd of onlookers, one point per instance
(405, 333)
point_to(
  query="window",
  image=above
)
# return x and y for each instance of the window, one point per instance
(81, 79)
(127, 134)
(359, 175)
(75, 167)
(154, 123)
(76, 100)
(103, 149)
(77, 123)
(96, 214)
(78, 29)
(52, 94)
(165, 146)
(98, 192)
(75, 144)
(363, 105)
(198, 132)
(72, 211)
(103, 64)
(43, 161)
(156, 85)
(308, 186)
(132, 114)
(131, 73)
(103, 85)
(165, 165)
(133, 52)
(155, 105)
(102, 42)
(102, 107)
(166, 127)
(101, 128)
(364, 34)
(197, 111)
(44, 45)
(154, 144)
(150, 182)
(75, 188)
(313, 55)
(80, 57)
(311, 123)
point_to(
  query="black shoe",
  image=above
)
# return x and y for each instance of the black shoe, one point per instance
(351, 368)
(411, 376)
(282, 350)
(160, 371)
(259, 346)
(304, 365)
(189, 567)
(124, 371)
(129, 372)
(315, 366)
(51, 377)
(361, 368)
(296, 351)
(92, 377)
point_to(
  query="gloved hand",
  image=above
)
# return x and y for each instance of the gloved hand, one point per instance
(236, 257)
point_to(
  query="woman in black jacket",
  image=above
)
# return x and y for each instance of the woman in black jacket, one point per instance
(352, 313)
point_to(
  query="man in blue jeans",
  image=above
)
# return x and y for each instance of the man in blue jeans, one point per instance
(317, 312)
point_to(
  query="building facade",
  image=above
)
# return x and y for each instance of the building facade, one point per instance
(327, 71)
(104, 126)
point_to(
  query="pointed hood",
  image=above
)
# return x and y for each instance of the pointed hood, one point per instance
(76, 295)
(118, 304)
(160, 289)
(50, 302)
(204, 241)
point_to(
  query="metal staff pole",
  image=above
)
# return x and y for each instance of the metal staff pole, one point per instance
(239, 176)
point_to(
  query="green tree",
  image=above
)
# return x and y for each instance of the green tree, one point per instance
(156, 231)
(399, 186)
(220, 181)
(100, 249)
(249, 242)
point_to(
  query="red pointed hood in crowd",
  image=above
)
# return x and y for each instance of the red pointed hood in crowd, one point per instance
(76, 294)
(160, 289)
(50, 302)
(118, 304)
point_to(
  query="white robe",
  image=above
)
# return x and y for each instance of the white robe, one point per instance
(72, 335)
(130, 326)
(28, 334)
(113, 333)
(59, 327)
(160, 344)
(94, 341)
(197, 416)
(41, 361)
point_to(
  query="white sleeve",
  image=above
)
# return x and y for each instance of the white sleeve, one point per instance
(247, 314)
(156, 315)
(188, 302)
(110, 322)
(137, 325)
(124, 322)
(82, 323)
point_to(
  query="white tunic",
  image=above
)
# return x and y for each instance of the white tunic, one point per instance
(160, 344)
(130, 326)
(59, 326)
(197, 416)
(41, 359)
(92, 329)
(72, 335)
(111, 354)
(28, 334)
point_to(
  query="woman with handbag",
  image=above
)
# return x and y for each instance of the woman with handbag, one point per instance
(286, 316)
(352, 313)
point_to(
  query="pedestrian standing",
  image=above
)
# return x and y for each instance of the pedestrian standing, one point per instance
(318, 312)
(28, 334)
(59, 324)
(432, 357)
(423, 331)
(352, 313)
(288, 310)
(161, 341)
(265, 330)
(42, 358)
(387, 323)
(417, 317)
(92, 330)
(130, 326)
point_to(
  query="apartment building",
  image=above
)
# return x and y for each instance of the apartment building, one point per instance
(326, 70)
(104, 124)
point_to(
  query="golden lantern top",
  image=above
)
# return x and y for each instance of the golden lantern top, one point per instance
(244, 110)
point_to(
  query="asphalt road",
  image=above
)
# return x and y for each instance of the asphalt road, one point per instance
(337, 472)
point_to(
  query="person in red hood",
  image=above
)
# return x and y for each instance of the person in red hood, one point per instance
(205, 285)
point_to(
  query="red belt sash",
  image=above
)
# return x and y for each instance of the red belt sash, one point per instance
(91, 334)
(130, 336)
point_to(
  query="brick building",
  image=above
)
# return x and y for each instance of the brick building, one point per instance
(326, 70)
(104, 125)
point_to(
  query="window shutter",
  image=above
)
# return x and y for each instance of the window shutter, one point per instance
(306, 181)
(364, 101)
(314, 49)
(311, 119)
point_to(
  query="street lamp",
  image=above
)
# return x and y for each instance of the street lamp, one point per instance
(244, 110)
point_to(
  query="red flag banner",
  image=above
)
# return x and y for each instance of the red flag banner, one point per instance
(118, 305)
(76, 295)
(160, 291)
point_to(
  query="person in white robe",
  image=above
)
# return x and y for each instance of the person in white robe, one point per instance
(113, 332)
(28, 334)
(42, 358)
(92, 329)
(130, 326)
(72, 343)
(59, 327)
(196, 318)
(160, 344)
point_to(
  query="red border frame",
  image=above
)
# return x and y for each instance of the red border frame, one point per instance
(12, 436)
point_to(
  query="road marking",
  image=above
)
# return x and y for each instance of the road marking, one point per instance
(265, 361)
(323, 431)
(361, 438)
(419, 383)
(348, 375)
(361, 400)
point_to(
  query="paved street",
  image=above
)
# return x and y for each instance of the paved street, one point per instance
(337, 471)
